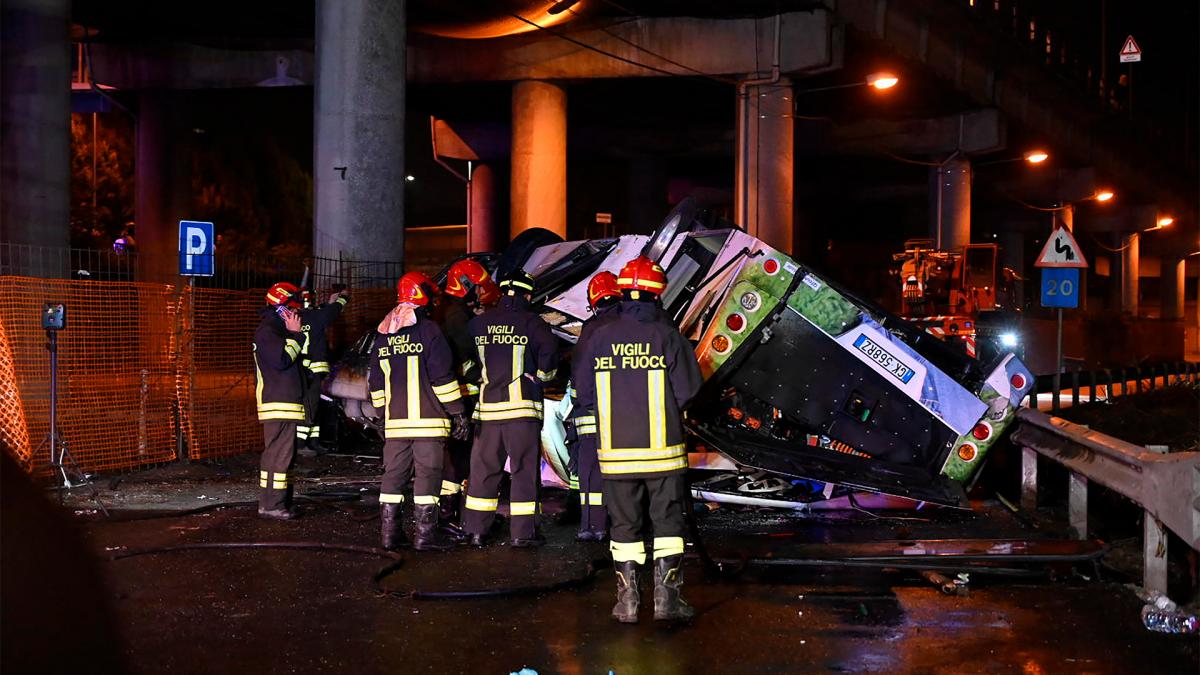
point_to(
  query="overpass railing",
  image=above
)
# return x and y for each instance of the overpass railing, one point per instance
(1078, 387)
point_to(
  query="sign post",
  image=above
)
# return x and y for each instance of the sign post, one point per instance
(1131, 53)
(1060, 260)
(197, 249)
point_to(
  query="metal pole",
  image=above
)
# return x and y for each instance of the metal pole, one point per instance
(1058, 362)
(55, 460)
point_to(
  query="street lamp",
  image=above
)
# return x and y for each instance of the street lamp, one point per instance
(878, 81)
(882, 80)
(1104, 195)
(1164, 221)
(1036, 156)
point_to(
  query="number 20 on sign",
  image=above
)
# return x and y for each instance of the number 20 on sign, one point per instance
(1060, 287)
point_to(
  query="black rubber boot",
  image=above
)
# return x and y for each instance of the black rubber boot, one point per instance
(448, 518)
(389, 524)
(668, 599)
(427, 537)
(628, 595)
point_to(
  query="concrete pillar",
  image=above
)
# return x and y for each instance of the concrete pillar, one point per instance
(358, 162)
(35, 119)
(161, 185)
(1173, 279)
(1129, 273)
(485, 234)
(951, 203)
(539, 158)
(1067, 217)
(764, 175)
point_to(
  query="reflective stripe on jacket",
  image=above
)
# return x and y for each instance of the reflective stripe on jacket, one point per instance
(518, 354)
(636, 373)
(412, 380)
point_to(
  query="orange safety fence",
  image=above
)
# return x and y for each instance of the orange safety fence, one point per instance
(145, 370)
(116, 377)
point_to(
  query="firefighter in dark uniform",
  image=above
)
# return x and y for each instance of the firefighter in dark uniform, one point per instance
(642, 374)
(603, 296)
(469, 290)
(314, 320)
(412, 380)
(518, 354)
(279, 398)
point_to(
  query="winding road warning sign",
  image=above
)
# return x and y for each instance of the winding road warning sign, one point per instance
(1061, 250)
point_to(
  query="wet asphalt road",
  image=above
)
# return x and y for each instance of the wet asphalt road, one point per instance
(272, 611)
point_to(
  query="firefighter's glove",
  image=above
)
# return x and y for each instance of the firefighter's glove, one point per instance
(460, 428)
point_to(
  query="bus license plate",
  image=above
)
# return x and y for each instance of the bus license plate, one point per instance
(881, 356)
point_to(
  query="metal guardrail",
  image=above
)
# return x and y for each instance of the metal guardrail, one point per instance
(1166, 486)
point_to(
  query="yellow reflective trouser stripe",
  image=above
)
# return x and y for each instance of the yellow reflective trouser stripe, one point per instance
(478, 504)
(425, 499)
(518, 370)
(604, 407)
(656, 453)
(591, 498)
(547, 375)
(314, 432)
(387, 498)
(449, 487)
(523, 508)
(655, 407)
(643, 467)
(665, 547)
(278, 481)
(634, 551)
(301, 432)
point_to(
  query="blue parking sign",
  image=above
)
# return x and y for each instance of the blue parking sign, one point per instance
(197, 244)
(1060, 287)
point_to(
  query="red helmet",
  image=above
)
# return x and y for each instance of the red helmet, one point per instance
(603, 285)
(643, 274)
(468, 275)
(282, 293)
(426, 283)
(411, 289)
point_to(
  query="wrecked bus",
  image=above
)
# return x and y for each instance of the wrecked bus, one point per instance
(810, 392)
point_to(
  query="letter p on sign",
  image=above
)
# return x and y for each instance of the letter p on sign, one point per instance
(196, 248)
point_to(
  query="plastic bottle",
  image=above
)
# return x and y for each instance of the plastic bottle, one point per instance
(1171, 620)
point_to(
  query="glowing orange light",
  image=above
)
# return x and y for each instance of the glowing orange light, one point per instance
(1036, 156)
(1164, 221)
(882, 80)
(1104, 195)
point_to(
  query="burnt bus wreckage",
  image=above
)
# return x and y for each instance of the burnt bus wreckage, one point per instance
(810, 392)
